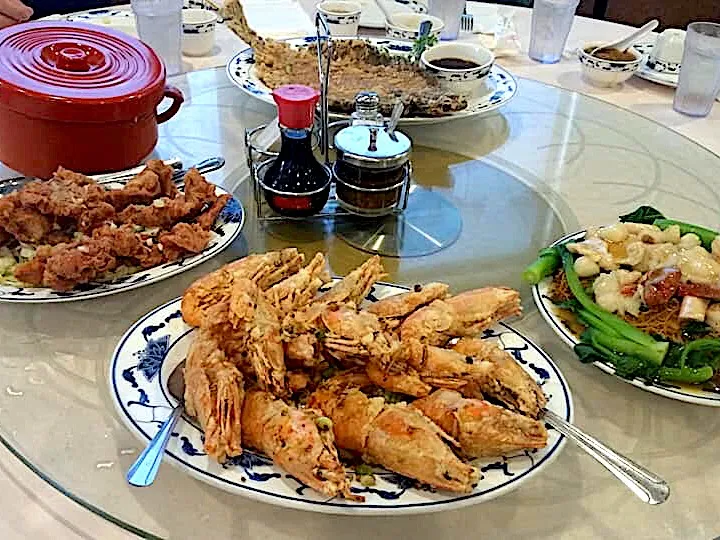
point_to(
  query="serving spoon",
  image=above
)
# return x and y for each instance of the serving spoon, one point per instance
(646, 485)
(142, 473)
(625, 43)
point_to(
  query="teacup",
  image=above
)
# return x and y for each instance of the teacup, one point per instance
(405, 26)
(342, 17)
(667, 53)
(198, 31)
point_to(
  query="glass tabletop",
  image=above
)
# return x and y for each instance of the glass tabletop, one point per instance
(545, 164)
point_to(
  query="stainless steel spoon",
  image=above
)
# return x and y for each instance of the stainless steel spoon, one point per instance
(648, 487)
(397, 111)
(142, 473)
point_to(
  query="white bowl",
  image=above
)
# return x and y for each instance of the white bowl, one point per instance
(465, 82)
(405, 26)
(667, 53)
(342, 17)
(198, 31)
(607, 72)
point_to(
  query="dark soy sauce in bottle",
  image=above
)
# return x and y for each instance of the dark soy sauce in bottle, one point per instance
(295, 184)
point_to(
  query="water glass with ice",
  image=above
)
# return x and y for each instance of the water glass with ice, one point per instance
(551, 23)
(699, 82)
(450, 12)
(159, 24)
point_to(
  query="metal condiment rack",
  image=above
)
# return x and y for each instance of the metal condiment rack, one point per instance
(257, 157)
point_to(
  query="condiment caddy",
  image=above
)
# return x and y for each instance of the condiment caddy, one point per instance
(370, 176)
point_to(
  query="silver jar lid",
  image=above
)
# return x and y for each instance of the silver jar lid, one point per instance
(372, 147)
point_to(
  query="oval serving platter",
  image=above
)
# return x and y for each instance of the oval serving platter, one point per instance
(226, 229)
(548, 311)
(501, 85)
(158, 342)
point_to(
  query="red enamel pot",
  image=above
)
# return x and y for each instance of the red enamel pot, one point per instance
(79, 96)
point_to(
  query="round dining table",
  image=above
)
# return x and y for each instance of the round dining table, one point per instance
(561, 155)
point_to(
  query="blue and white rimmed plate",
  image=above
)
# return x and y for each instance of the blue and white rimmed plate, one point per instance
(157, 343)
(226, 229)
(501, 86)
(549, 311)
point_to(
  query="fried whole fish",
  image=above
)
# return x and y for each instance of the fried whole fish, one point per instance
(356, 66)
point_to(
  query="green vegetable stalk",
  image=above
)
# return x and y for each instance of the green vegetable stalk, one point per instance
(545, 265)
(686, 375)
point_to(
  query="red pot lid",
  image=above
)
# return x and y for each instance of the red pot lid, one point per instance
(77, 72)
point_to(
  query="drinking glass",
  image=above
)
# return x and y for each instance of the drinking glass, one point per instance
(551, 23)
(450, 12)
(159, 24)
(699, 81)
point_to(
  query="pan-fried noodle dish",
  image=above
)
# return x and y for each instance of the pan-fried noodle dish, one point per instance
(404, 383)
(642, 294)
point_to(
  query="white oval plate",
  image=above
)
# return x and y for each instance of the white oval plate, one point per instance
(549, 312)
(157, 343)
(501, 85)
(226, 229)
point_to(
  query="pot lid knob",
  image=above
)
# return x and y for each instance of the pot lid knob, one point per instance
(69, 56)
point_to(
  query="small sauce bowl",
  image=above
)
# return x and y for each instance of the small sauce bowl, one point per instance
(464, 82)
(601, 72)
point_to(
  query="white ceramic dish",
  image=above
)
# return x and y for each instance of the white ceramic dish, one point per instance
(405, 26)
(666, 55)
(548, 311)
(198, 31)
(154, 345)
(499, 88)
(227, 228)
(341, 17)
(467, 82)
(602, 72)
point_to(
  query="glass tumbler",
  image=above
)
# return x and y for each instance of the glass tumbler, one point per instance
(450, 12)
(159, 24)
(699, 81)
(551, 23)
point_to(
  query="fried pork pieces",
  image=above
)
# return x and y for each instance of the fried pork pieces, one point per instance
(82, 231)
(295, 374)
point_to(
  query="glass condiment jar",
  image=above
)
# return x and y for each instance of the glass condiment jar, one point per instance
(295, 184)
(372, 165)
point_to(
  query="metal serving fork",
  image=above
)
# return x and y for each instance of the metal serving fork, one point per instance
(11, 184)
(466, 22)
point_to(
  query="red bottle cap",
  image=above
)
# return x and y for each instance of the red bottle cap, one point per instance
(296, 105)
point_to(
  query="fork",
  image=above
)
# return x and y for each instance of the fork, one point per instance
(11, 184)
(466, 22)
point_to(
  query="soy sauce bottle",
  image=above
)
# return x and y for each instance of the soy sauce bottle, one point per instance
(296, 184)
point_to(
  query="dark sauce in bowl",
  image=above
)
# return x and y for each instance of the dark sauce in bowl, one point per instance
(453, 63)
(613, 55)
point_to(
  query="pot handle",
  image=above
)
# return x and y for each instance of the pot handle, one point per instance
(177, 97)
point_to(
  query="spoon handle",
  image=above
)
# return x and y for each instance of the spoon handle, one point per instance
(649, 487)
(145, 469)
